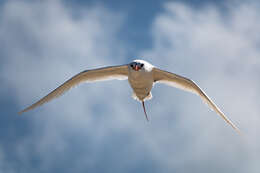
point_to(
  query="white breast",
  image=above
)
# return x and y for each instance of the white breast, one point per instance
(142, 82)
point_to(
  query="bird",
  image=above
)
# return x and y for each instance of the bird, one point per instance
(141, 76)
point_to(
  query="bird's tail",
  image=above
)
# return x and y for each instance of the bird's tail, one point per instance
(145, 111)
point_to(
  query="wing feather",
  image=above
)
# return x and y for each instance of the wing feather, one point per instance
(188, 85)
(106, 73)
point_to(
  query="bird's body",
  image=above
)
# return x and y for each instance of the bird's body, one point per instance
(141, 82)
(141, 76)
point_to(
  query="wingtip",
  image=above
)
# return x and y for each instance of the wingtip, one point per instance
(235, 128)
(238, 131)
(20, 113)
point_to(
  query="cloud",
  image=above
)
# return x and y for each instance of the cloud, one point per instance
(47, 42)
(220, 51)
(5, 166)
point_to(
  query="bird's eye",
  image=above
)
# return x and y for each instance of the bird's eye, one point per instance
(132, 65)
(142, 65)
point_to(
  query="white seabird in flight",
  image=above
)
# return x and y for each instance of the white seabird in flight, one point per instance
(141, 76)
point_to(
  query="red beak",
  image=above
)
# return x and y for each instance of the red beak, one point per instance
(137, 68)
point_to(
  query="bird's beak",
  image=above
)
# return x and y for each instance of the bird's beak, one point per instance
(137, 68)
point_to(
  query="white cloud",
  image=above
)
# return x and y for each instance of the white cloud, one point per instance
(221, 53)
(46, 43)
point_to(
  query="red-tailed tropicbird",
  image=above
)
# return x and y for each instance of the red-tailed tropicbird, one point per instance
(141, 76)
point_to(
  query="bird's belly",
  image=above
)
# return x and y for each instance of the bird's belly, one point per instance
(141, 86)
(142, 94)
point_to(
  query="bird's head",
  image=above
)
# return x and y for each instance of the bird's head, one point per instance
(137, 65)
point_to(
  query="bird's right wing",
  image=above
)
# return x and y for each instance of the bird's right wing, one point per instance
(188, 85)
(100, 74)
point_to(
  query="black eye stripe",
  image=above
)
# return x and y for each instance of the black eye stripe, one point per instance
(136, 64)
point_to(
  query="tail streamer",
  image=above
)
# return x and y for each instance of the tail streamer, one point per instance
(145, 111)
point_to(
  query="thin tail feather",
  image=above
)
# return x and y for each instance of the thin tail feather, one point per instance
(145, 111)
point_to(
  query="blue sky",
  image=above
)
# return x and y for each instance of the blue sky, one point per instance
(98, 127)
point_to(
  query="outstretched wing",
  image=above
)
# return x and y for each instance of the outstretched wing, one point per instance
(188, 85)
(100, 74)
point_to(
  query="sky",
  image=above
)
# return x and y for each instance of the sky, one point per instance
(98, 127)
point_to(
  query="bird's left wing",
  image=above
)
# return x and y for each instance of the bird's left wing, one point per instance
(100, 74)
(188, 85)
